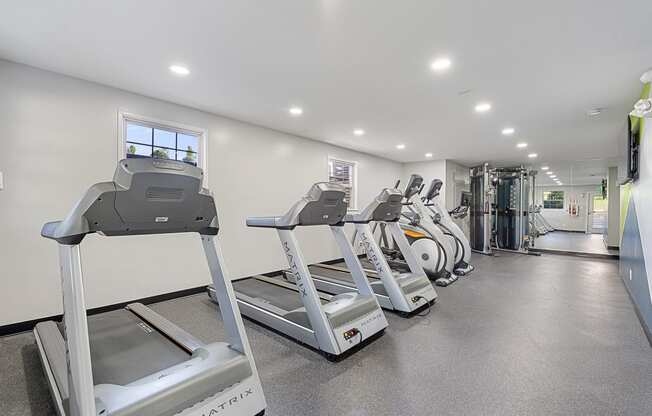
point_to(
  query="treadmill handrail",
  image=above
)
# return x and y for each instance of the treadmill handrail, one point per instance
(263, 222)
(172, 331)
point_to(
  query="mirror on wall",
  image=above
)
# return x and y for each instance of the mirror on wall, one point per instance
(572, 209)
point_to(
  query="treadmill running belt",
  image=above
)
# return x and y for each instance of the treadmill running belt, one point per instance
(366, 264)
(280, 297)
(345, 277)
(125, 349)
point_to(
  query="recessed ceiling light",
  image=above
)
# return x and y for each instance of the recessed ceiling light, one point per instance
(358, 132)
(400, 146)
(521, 145)
(440, 64)
(179, 70)
(559, 183)
(508, 131)
(553, 176)
(428, 154)
(550, 172)
(532, 155)
(482, 107)
(544, 168)
(296, 111)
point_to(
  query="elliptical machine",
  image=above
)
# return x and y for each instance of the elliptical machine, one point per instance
(443, 219)
(434, 251)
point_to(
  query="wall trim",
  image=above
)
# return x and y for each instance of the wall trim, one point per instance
(25, 326)
(646, 330)
(575, 253)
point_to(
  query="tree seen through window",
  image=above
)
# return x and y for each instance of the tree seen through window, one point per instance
(145, 141)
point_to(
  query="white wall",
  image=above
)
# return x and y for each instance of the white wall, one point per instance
(59, 135)
(456, 179)
(560, 218)
(433, 169)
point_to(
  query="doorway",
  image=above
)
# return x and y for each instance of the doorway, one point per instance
(598, 214)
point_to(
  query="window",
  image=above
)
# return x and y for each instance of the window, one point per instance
(553, 200)
(143, 137)
(344, 173)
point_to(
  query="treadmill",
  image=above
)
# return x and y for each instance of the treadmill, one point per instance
(405, 292)
(134, 362)
(334, 325)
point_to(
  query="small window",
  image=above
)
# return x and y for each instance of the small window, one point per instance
(144, 138)
(343, 173)
(553, 200)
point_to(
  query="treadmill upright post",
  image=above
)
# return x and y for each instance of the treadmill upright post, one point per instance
(352, 262)
(80, 374)
(225, 296)
(377, 258)
(308, 292)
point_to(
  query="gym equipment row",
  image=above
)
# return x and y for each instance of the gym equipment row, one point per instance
(135, 362)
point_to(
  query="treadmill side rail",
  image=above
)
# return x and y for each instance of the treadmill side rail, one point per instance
(176, 334)
(52, 349)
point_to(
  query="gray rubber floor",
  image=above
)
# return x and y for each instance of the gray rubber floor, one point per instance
(578, 242)
(524, 335)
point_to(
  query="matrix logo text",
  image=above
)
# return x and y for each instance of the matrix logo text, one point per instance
(294, 269)
(220, 408)
(371, 253)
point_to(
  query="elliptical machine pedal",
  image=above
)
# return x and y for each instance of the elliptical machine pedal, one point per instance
(446, 279)
(464, 269)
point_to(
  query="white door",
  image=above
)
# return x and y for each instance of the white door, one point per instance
(597, 213)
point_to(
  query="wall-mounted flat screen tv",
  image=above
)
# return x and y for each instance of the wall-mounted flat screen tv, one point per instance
(633, 146)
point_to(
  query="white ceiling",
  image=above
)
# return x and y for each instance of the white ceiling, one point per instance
(365, 63)
(587, 172)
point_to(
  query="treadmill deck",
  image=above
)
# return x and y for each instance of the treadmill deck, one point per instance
(125, 349)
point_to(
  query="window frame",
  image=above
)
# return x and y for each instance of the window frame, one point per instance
(124, 117)
(543, 199)
(353, 202)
